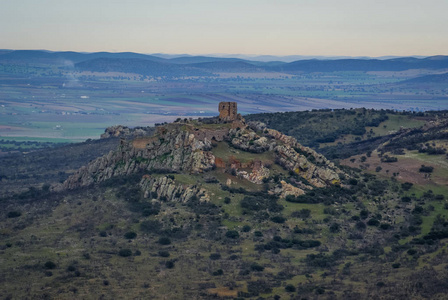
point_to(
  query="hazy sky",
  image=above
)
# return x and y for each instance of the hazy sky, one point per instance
(280, 27)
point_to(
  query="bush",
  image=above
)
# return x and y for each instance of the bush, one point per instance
(396, 265)
(406, 186)
(256, 267)
(406, 199)
(14, 214)
(163, 253)
(290, 288)
(215, 256)
(233, 234)
(227, 200)
(412, 251)
(335, 227)
(125, 252)
(169, 264)
(49, 265)
(71, 268)
(385, 226)
(426, 169)
(164, 241)
(246, 228)
(278, 219)
(218, 272)
(130, 235)
(360, 225)
(373, 222)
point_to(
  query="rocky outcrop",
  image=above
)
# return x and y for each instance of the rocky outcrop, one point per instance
(247, 140)
(186, 148)
(124, 131)
(172, 148)
(258, 174)
(285, 189)
(164, 187)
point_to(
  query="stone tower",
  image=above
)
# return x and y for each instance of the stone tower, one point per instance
(228, 111)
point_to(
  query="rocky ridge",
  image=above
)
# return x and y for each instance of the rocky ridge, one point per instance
(186, 147)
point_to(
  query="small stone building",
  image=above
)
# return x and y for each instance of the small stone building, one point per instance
(228, 111)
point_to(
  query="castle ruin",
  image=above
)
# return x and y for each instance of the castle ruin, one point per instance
(228, 111)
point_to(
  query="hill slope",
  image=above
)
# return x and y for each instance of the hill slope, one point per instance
(210, 210)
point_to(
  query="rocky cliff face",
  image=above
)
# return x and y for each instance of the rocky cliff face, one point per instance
(173, 148)
(290, 154)
(165, 187)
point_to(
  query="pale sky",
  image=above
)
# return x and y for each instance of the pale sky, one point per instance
(280, 27)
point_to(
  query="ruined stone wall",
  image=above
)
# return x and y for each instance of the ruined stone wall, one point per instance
(228, 111)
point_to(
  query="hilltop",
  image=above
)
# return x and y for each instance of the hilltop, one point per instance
(225, 208)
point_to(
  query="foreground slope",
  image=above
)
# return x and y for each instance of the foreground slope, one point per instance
(209, 210)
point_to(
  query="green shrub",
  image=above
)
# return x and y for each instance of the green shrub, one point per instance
(232, 234)
(125, 252)
(14, 214)
(49, 265)
(218, 272)
(164, 241)
(278, 219)
(246, 228)
(290, 288)
(215, 256)
(163, 253)
(169, 264)
(130, 235)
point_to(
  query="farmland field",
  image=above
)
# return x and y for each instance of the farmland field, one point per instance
(47, 102)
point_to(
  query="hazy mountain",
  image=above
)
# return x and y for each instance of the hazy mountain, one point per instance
(138, 66)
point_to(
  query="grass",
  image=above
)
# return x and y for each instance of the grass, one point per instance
(394, 123)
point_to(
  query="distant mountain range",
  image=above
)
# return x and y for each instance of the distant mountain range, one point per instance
(163, 65)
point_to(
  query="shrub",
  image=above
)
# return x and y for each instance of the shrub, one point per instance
(412, 251)
(71, 268)
(233, 234)
(215, 256)
(163, 253)
(385, 226)
(335, 227)
(246, 228)
(256, 267)
(426, 169)
(258, 234)
(396, 265)
(406, 186)
(130, 235)
(406, 199)
(125, 252)
(227, 200)
(169, 264)
(290, 288)
(49, 265)
(360, 225)
(373, 222)
(278, 219)
(14, 214)
(218, 272)
(164, 241)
